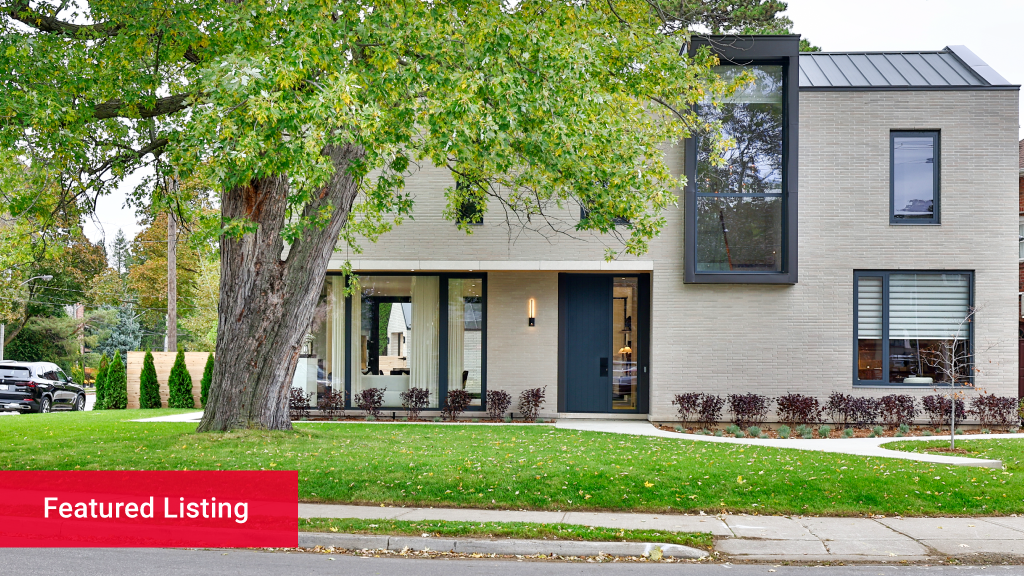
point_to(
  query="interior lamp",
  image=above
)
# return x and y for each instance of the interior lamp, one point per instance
(532, 312)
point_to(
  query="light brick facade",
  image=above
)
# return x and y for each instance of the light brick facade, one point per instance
(769, 339)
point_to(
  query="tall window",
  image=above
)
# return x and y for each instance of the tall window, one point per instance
(912, 328)
(914, 178)
(740, 198)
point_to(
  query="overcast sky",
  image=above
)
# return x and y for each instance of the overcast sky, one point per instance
(992, 29)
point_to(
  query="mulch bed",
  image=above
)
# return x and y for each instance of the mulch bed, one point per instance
(837, 432)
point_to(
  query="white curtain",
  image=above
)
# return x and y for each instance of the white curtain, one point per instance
(456, 334)
(423, 349)
(356, 362)
(336, 325)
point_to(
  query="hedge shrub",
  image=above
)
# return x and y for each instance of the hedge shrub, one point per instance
(116, 397)
(180, 384)
(149, 388)
(101, 384)
(204, 384)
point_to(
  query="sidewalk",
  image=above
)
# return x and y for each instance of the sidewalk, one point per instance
(763, 538)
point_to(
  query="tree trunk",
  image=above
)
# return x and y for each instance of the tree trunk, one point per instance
(267, 301)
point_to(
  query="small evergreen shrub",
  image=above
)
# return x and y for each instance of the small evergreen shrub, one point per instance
(149, 388)
(824, 431)
(984, 431)
(679, 428)
(508, 419)
(798, 409)
(414, 400)
(455, 404)
(331, 404)
(370, 400)
(754, 431)
(437, 418)
(687, 405)
(897, 409)
(180, 384)
(904, 429)
(204, 384)
(732, 429)
(718, 434)
(878, 430)
(371, 418)
(498, 402)
(530, 401)
(710, 411)
(740, 434)
(117, 384)
(298, 404)
(808, 434)
(101, 384)
(848, 433)
(784, 431)
(959, 431)
(749, 409)
(927, 433)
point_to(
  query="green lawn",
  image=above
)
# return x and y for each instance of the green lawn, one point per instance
(503, 530)
(1009, 450)
(530, 467)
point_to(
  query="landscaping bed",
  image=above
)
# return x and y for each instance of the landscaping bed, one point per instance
(826, 431)
(526, 530)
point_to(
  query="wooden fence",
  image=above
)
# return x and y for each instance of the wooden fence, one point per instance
(163, 361)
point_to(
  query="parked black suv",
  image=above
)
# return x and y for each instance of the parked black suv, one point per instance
(37, 387)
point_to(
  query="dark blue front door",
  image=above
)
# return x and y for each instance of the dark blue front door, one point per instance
(588, 344)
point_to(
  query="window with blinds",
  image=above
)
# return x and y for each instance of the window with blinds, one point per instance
(912, 328)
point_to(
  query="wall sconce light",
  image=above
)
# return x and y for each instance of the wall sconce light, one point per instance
(532, 305)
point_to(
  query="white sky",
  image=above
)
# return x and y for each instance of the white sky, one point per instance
(992, 29)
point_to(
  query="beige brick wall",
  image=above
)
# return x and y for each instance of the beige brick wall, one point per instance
(763, 338)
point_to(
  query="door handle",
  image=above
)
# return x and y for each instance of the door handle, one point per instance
(604, 367)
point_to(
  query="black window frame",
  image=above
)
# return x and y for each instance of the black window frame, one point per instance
(884, 274)
(442, 332)
(744, 50)
(936, 218)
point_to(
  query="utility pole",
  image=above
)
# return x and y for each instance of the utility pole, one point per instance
(171, 344)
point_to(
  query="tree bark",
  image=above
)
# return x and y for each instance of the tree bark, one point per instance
(267, 300)
(172, 282)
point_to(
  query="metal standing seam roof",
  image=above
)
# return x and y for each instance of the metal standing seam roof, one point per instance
(954, 67)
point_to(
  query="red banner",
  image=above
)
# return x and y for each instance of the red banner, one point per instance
(149, 509)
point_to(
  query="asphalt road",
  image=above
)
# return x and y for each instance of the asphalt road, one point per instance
(147, 562)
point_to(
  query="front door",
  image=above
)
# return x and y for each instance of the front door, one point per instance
(600, 343)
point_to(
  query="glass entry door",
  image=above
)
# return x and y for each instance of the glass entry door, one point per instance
(600, 343)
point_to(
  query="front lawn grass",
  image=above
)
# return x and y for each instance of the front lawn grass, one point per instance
(529, 530)
(513, 467)
(1009, 450)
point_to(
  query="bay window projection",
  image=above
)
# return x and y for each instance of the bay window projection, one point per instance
(913, 328)
(394, 330)
(320, 367)
(740, 191)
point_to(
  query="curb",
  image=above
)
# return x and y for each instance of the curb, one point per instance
(502, 547)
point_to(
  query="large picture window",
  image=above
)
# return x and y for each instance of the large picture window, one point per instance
(912, 328)
(741, 200)
(914, 177)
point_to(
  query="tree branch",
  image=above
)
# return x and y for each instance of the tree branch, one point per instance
(167, 105)
(21, 11)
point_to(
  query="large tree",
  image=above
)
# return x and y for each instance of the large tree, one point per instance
(308, 116)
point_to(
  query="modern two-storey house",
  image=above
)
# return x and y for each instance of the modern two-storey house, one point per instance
(854, 234)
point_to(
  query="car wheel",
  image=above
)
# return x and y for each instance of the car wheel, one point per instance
(44, 405)
(79, 403)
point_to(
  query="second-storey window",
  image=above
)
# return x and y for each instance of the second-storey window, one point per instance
(914, 178)
(912, 327)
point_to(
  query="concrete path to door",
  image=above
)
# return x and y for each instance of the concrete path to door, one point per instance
(761, 538)
(871, 447)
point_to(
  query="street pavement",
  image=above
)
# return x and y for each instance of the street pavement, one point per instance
(763, 538)
(171, 562)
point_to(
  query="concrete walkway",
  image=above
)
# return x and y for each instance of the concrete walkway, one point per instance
(762, 538)
(855, 446)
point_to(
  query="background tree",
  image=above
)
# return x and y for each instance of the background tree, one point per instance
(732, 17)
(149, 387)
(180, 384)
(116, 385)
(126, 335)
(121, 253)
(308, 117)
